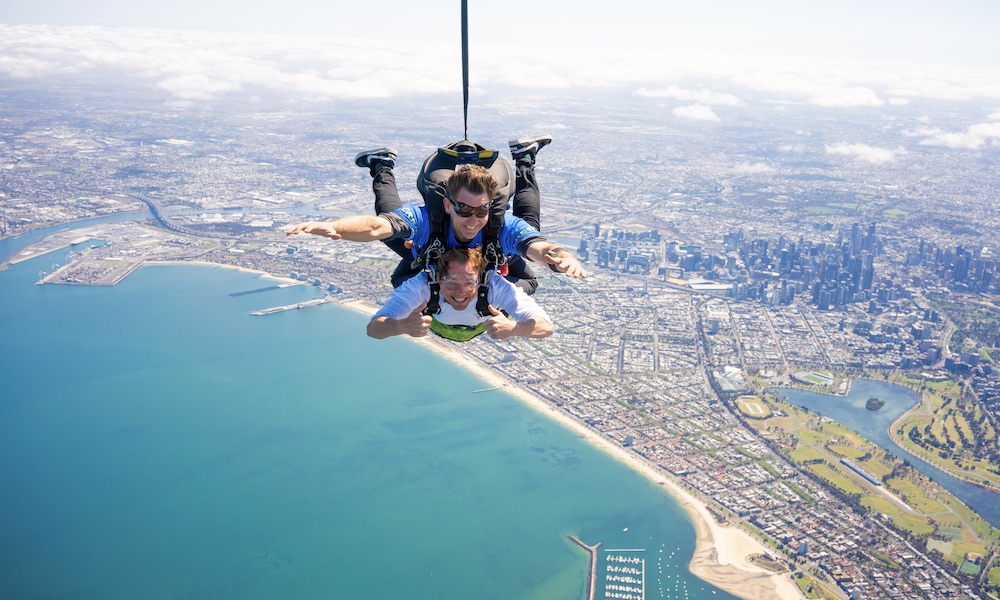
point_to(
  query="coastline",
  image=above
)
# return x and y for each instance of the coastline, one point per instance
(721, 555)
(206, 263)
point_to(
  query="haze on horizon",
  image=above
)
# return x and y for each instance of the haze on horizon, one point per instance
(922, 31)
(703, 62)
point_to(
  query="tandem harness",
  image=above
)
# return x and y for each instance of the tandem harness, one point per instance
(432, 183)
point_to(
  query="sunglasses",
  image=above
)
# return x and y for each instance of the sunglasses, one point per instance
(457, 282)
(464, 210)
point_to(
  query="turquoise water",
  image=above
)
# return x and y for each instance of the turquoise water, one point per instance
(874, 425)
(157, 441)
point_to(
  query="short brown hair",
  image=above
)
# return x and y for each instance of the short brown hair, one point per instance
(473, 178)
(461, 254)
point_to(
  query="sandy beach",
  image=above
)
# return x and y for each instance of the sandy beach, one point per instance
(206, 263)
(721, 554)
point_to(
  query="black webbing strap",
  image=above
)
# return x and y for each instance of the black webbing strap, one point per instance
(434, 303)
(465, 66)
(482, 299)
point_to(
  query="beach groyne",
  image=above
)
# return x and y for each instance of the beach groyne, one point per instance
(592, 577)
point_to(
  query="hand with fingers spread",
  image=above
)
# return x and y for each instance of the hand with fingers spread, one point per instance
(564, 262)
(357, 228)
(323, 228)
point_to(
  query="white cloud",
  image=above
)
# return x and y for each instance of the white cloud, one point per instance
(922, 131)
(792, 148)
(974, 137)
(199, 66)
(872, 154)
(699, 96)
(195, 87)
(898, 101)
(696, 112)
(754, 168)
(847, 97)
(954, 140)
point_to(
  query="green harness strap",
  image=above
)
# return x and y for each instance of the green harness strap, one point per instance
(457, 333)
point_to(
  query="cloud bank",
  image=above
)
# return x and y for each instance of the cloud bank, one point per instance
(973, 137)
(199, 66)
(696, 112)
(864, 152)
(753, 168)
(704, 97)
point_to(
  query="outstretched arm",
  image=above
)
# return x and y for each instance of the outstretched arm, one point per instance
(556, 257)
(500, 326)
(360, 228)
(414, 325)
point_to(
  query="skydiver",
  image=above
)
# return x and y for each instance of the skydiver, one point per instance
(467, 202)
(526, 198)
(511, 312)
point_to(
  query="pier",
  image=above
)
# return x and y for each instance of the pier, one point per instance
(256, 291)
(298, 305)
(592, 578)
(490, 389)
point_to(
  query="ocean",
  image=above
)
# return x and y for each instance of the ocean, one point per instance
(158, 441)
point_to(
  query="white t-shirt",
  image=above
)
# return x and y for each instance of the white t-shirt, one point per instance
(502, 294)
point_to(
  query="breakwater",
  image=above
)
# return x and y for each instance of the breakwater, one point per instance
(592, 577)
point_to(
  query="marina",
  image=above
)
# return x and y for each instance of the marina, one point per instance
(625, 576)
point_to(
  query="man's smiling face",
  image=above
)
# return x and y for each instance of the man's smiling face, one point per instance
(459, 285)
(466, 228)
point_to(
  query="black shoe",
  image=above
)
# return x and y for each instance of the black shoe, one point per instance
(527, 148)
(376, 159)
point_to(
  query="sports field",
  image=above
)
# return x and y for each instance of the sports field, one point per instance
(753, 407)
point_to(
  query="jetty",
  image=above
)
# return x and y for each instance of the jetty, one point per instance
(256, 291)
(592, 578)
(490, 389)
(298, 305)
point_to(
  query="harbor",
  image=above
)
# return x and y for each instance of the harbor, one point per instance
(625, 577)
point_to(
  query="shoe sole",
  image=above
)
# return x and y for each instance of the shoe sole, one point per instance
(526, 142)
(381, 152)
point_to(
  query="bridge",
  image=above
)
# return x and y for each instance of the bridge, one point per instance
(169, 225)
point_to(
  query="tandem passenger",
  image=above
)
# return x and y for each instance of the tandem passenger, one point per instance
(459, 313)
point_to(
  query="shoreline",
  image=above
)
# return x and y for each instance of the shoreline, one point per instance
(721, 554)
(205, 263)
